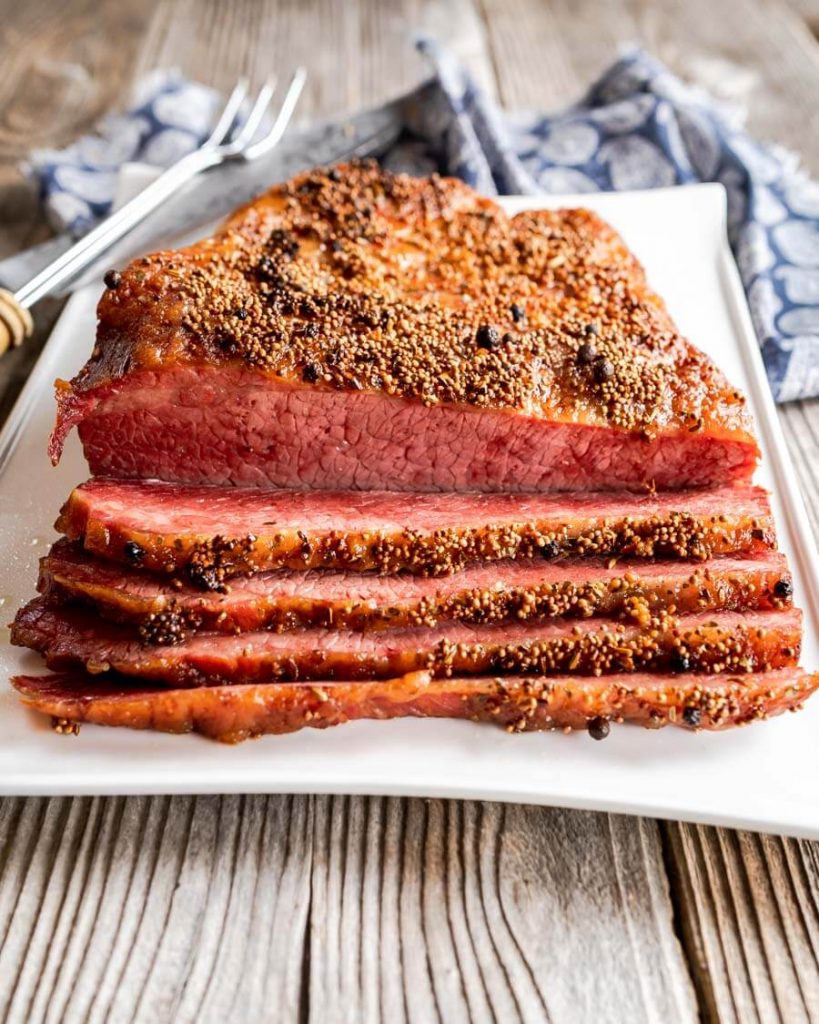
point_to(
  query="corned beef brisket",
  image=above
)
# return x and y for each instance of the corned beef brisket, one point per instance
(377, 449)
(364, 330)
(517, 703)
(168, 610)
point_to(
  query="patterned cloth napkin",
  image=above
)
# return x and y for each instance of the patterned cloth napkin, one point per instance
(637, 127)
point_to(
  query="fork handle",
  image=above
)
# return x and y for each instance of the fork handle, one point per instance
(15, 322)
(109, 231)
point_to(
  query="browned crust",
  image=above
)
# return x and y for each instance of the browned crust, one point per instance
(171, 617)
(357, 279)
(69, 639)
(235, 713)
(210, 563)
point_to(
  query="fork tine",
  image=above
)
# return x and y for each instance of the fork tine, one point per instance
(291, 98)
(257, 112)
(228, 115)
(212, 153)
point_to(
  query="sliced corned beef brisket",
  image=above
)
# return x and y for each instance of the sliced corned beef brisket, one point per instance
(167, 611)
(328, 444)
(215, 533)
(234, 713)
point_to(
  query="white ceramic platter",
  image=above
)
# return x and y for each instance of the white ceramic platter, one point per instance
(762, 777)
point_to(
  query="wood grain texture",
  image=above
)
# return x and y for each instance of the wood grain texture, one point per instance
(153, 909)
(758, 53)
(373, 57)
(332, 909)
(749, 908)
(431, 910)
(354, 909)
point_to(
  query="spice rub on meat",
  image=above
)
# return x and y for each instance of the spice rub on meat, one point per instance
(168, 611)
(212, 534)
(379, 450)
(355, 329)
(518, 704)
(730, 642)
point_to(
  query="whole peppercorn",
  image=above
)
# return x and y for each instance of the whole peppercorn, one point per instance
(487, 337)
(692, 717)
(112, 279)
(598, 728)
(679, 661)
(240, 314)
(783, 588)
(310, 373)
(591, 329)
(267, 270)
(133, 552)
(334, 174)
(518, 312)
(586, 354)
(283, 243)
(603, 371)
(551, 549)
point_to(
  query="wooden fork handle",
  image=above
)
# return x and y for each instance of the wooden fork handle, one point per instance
(15, 322)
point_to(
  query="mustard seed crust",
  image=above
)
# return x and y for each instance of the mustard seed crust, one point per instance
(358, 279)
(234, 713)
(210, 564)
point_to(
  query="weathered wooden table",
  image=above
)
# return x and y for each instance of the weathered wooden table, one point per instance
(354, 909)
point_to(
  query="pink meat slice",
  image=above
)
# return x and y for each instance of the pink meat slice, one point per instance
(235, 713)
(728, 642)
(167, 611)
(218, 532)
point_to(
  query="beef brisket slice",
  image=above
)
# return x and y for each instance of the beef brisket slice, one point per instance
(729, 642)
(214, 533)
(234, 713)
(373, 331)
(168, 612)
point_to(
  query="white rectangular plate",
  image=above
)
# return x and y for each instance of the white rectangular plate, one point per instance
(763, 777)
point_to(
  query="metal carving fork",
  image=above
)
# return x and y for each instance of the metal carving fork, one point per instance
(228, 141)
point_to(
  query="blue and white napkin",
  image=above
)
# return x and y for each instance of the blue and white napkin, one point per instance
(638, 126)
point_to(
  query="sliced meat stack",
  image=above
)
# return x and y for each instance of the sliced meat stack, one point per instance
(379, 450)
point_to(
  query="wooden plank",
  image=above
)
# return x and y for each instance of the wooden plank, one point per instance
(750, 916)
(467, 907)
(203, 909)
(153, 909)
(372, 45)
(758, 53)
